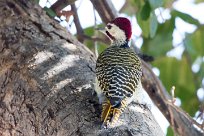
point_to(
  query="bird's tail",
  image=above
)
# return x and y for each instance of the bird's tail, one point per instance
(110, 114)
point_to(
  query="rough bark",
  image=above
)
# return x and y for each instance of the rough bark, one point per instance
(46, 77)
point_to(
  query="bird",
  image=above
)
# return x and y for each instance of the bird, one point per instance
(118, 72)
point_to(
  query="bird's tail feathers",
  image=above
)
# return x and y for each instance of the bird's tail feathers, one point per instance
(111, 114)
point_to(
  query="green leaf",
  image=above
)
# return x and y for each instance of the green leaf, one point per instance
(89, 31)
(153, 25)
(144, 25)
(162, 42)
(194, 43)
(170, 132)
(156, 3)
(168, 4)
(198, 1)
(142, 20)
(185, 17)
(132, 6)
(36, 1)
(158, 46)
(145, 12)
(50, 12)
(147, 20)
(200, 74)
(194, 49)
(201, 70)
(177, 73)
(90, 45)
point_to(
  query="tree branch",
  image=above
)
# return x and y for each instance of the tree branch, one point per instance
(105, 9)
(79, 28)
(60, 4)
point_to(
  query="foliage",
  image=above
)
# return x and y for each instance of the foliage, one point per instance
(177, 72)
(50, 12)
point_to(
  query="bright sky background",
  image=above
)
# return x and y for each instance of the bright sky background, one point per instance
(86, 16)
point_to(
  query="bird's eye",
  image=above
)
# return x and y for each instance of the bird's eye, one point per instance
(109, 26)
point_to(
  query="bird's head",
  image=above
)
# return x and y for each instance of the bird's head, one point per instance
(119, 29)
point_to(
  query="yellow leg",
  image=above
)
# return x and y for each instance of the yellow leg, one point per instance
(117, 112)
(106, 112)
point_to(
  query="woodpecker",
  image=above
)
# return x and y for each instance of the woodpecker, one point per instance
(118, 72)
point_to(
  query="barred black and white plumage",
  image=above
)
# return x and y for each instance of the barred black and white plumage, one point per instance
(118, 72)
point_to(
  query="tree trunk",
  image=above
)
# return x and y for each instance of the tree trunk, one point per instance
(46, 79)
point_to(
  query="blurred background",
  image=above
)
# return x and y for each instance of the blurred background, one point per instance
(171, 31)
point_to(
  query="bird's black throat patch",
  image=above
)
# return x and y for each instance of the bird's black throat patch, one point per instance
(125, 44)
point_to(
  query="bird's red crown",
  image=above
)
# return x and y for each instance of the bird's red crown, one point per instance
(124, 24)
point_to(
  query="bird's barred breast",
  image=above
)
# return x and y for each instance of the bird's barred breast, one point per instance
(118, 71)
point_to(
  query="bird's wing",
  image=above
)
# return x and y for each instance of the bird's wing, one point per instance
(122, 82)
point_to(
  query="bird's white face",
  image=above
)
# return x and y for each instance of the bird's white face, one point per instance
(115, 33)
